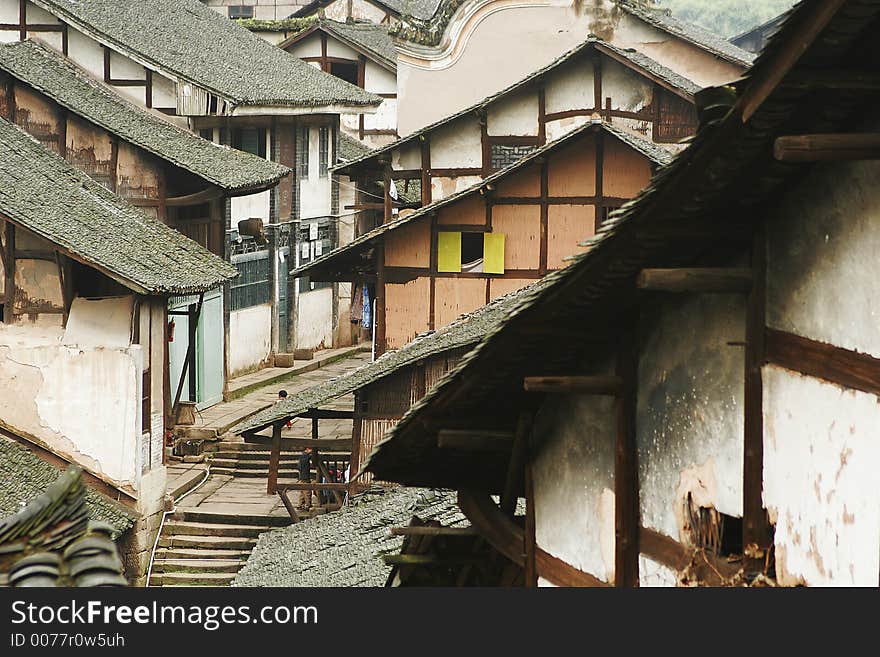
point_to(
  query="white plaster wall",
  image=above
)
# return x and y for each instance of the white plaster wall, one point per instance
(308, 47)
(457, 144)
(338, 49)
(81, 402)
(39, 15)
(573, 474)
(379, 79)
(385, 117)
(249, 338)
(250, 206)
(561, 127)
(9, 11)
(516, 115)
(442, 186)
(570, 87)
(689, 420)
(86, 52)
(626, 90)
(821, 456)
(407, 157)
(358, 9)
(315, 319)
(822, 254)
(164, 91)
(315, 192)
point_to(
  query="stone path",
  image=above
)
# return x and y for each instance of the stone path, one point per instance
(215, 526)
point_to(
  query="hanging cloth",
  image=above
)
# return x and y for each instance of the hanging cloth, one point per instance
(368, 309)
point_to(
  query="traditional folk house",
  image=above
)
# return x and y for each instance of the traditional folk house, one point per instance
(459, 253)
(363, 54)
(594, 79)
(465, 48)
(85, 289)
(214, 76)
(257, 10)
(694, 399)
(167, 171)
(383, 390)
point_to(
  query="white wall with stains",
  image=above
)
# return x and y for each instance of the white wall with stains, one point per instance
(249, 338)
(573, 474)
(689, 424)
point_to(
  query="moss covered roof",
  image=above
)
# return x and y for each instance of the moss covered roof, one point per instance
(191, 42)
(24, 477)
(61, 80)
(41, 192)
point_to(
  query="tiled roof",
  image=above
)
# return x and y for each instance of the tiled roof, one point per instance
(350, 148)
(422, 9)
(344, 548)
(25, 477)
(190, 41)
(75, 90)
(41, 192)
(369, 38)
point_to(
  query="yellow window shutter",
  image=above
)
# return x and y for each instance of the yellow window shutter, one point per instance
(493, 253)
(448, 252)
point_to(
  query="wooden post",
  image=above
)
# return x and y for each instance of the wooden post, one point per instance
(518, 457)
(756, 528)
(531, 576)
(626, 469)
(425, 150)
(190, 355)
(274, 459)
(386, 201)
(9, 265)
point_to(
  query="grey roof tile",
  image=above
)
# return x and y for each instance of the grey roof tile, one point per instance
(74, 89)
(192, 42)
(24, 477)
(369, 37)
(344, 548)
(41, 192)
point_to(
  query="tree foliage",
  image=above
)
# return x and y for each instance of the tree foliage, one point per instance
(726, 17)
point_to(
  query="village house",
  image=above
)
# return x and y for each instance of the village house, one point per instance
(86, 280)
(360, 53)
(693, 400)
(260, 10)
(228, 85)
(167, 171)
(465, 48)
(452, 256)
(594, 79)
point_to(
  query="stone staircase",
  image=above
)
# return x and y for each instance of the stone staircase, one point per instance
(207, 549)
(252, 460)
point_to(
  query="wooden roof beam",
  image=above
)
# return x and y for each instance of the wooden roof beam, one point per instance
(596, 385)
(705, 279)
(827, 147)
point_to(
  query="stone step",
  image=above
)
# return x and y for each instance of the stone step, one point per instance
(197, 565)
(264, 472)
(191, 579)
(207, 542)
(230, 518)
(186, 528)
(196, 553)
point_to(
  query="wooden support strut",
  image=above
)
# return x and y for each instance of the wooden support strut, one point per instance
(516, 465)
(597, 385)
(706, 279)
(827, 147)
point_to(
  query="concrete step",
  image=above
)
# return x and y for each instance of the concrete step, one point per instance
(207, 542)
(197, 553)
(185, 528)
(230, 518)
(191, 579)
(197, 565)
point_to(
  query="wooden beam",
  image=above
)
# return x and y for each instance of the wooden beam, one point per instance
(705, 567)
(704, 279)
(322, 468)
(475, 440)
(558, 572)
(529, 541)
(596, 385)
(313, 486)
(298, 444)
(844, 367)
(756, 524)
(288, 504)
(516, 465)
(432, 560)
(827, 147)
(427, 530)
(626, 462)
(274, 459)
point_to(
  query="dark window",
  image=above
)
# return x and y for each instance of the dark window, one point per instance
(302, 153)
(250, 140)
(241, 11)
(676, 117)
(347, 71)
(324, 150)
(503, 155)
(712, 530)
(472, 252)
(605, 212)
(251, 287)
(145, 403)
(207, 133)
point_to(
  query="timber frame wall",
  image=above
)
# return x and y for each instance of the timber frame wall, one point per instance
(544, 210)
